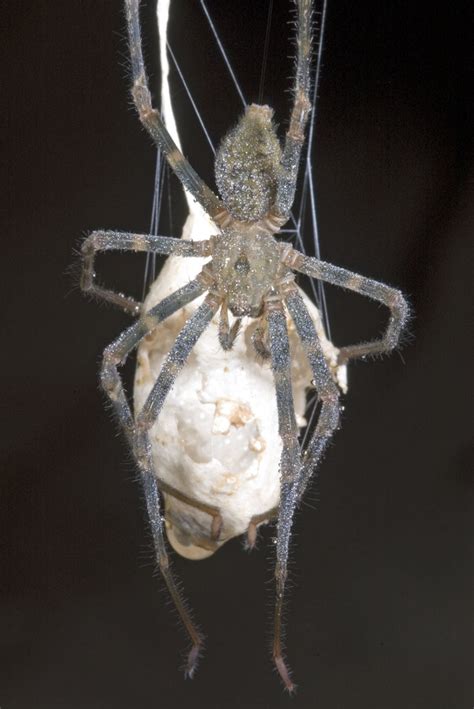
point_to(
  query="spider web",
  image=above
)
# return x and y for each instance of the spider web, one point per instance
(303, 227)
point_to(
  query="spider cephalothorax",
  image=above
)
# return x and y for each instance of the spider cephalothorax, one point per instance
(245, 263)
(251, 274)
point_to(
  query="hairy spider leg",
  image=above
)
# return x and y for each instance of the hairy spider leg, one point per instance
(124, 241)
(171, 367)
(399, 313)
(294, 476)
(295, 137)
(153, 122)
(290, 466)
(328, 393)
(390, 297)
(114, 355)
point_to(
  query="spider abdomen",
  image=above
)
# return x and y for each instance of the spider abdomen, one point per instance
(248, 164)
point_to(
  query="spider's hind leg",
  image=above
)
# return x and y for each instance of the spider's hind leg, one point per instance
(154, 124)
(294, 139)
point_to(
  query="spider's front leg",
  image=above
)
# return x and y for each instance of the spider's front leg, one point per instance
(328, 392)
(124, 241)
(145, 419)
(390, 297)
(290, 466)
(136, 433)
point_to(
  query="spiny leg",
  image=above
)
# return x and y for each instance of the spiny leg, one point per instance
(124, 241)
(174, 362)
(170, 369)
(227, 334)
(114, 355)
(299, 116)
(290, 465)
(154, 124)
(392, 298)
(327, 391)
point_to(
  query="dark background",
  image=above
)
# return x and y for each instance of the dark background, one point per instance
(380, 609)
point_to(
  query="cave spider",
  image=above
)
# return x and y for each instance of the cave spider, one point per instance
(251, 275)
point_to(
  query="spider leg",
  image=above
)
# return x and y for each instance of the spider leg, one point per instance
(390, 297)
(327, 391)
(290, 466)
(252, 529)
(124, 241)
(172, 366)
(299, 115)
(170, 369)
(114, 355)
(227, 334)
(154, 124)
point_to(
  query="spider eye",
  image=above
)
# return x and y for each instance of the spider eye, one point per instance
(242, 264)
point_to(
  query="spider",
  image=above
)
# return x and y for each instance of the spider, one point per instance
(250, 274)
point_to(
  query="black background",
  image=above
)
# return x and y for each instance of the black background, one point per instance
(381, 572)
